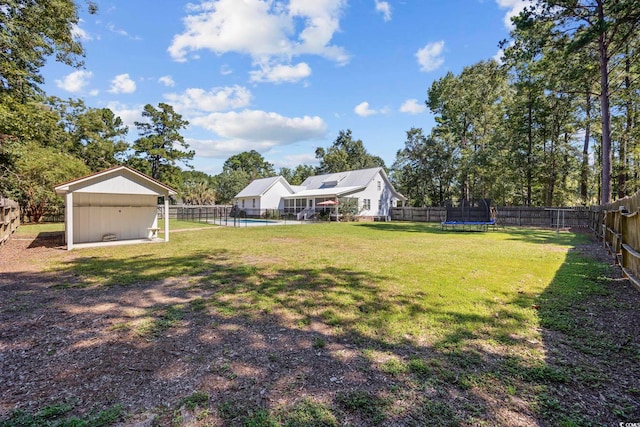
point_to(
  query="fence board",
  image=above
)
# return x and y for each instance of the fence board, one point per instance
(510, 215)
(621, 233)
(9, 218)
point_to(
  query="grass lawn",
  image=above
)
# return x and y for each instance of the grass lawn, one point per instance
(440, 328)
(32, 230)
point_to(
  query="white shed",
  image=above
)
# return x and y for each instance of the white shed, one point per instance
(117, 205)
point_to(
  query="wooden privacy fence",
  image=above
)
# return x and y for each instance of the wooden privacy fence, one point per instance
(426, 214)
(511, 215)
(620, 232)
(9, 218)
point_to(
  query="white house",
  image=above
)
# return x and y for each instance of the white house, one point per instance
(117, 205)
(262, 195)
(369, 189)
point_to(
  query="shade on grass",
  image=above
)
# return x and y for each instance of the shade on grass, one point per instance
(397, 282)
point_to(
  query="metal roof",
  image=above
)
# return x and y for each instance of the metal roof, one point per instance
(357, 178)
(328, 185)
(326, 192)
(258, 187)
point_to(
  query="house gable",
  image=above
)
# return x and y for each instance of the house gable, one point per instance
(118, 180)
(259, 187)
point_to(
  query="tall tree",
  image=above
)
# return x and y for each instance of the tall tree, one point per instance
(97, 134)
(33, 121)
(424, 169)
(198, 188)
(229, 183)
(346, 154)
(30, 32)
(250, 162)
(469, 109)
(297, 175)
(160, 142)
(626, 101)
(36, 171)
(603, 26)
(238, 171)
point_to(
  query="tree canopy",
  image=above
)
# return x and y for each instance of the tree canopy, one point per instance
(160, 141)
(30, 32)
(555, 122)
(607, 31)
(346, 154)
(250, 162)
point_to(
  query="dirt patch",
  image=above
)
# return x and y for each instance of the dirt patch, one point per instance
(155, 348)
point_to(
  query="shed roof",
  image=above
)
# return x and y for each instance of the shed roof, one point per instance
(116, 180)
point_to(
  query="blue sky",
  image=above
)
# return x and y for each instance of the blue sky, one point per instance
(280, 77)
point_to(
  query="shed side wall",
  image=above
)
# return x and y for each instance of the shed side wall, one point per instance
(125, 216)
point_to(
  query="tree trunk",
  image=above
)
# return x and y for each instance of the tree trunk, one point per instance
(584, 173)
(529, 152)
(623, 175)
(606, 111)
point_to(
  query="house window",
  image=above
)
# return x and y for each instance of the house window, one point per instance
(242, 203)
(379, 186)
(366, 204)
(254, 203)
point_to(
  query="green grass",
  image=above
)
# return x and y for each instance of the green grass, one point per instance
(158, 320)
(58, 415)
(175, 224)
(366, 405)
(472, 299)
(32, 230)
(195, 400)
(392, 283)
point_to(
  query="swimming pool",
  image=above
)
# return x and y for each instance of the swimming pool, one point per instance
(249, 222)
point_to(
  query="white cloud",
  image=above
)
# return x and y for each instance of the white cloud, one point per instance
(264, 30)
(128, 114)
(281, 73)
(412, 106)
(80, 34)
(363, 110)
(498, 56)
(122, 83)
(384, 8)
(75, 81)
(116, 30)
(293, 160)
(197, 101)
(225, 70)
(167, 81)
(514, 7)
(430, 56)
(119, 31)
(254, 130)
(94, 92)
(223, 148)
